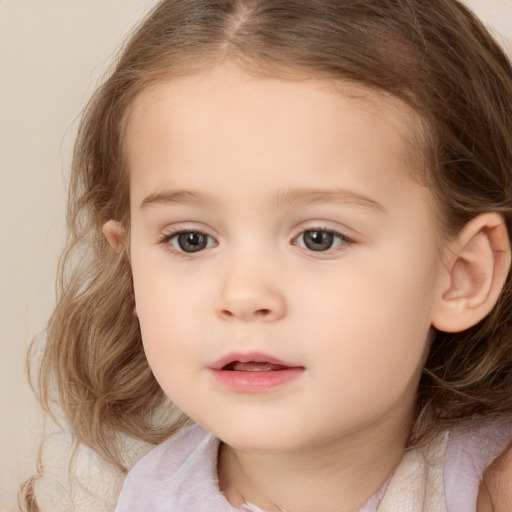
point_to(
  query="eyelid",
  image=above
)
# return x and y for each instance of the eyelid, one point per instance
(327, 226)
(186, 227)
(172, 231)
(165, 238)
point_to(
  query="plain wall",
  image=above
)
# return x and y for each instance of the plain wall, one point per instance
(52, 53)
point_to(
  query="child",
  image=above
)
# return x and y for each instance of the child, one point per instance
(298, 217)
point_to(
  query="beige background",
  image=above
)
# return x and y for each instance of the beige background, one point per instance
(52, 53)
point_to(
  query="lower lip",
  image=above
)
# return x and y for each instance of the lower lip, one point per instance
(256, 382)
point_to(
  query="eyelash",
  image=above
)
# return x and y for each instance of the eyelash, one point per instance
(345, 241)
(344, 244)
(166, 241)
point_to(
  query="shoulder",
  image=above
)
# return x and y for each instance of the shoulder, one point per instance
(495, 494)
(190, 443)
(75, 477)
(179, 474)
(474, 465)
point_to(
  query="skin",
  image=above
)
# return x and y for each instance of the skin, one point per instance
(237, 158)
(495, 494)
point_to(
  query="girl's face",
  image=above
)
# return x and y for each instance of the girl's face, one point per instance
(285, 264)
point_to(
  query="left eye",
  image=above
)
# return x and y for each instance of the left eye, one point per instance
(320, 240)
(191, 241)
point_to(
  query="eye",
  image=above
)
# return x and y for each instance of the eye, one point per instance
(320, 240)
(190, 241)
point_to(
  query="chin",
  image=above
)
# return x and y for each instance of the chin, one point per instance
(258, 438)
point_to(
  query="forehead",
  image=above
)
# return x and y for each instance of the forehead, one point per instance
(224, 118)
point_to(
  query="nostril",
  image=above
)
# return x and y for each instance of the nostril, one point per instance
(226, 313)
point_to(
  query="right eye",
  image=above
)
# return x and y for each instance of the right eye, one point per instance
(190, 241)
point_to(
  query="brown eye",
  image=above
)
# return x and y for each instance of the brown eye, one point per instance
(320, 240)
(191, 241)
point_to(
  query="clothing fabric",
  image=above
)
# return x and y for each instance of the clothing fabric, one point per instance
(180, 475)
(75, 478)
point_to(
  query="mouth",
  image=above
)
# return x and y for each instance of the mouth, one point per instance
(253, 366)
(254, 373)
(253, 362)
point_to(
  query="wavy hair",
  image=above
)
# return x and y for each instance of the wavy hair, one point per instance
(433, 55)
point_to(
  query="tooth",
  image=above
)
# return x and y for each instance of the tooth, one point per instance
(253, 366)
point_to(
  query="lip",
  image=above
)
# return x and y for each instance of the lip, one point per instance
(257, 357)
(254, 381)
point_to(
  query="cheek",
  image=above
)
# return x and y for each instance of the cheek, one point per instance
(169, 319)
(170, 338)
(165, 294)
(375, 322)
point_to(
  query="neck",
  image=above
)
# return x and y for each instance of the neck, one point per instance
(336, 475)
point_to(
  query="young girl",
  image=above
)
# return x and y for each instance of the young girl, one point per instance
(297, 217)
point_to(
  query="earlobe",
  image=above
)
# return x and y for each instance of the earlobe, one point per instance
(115, 235)
(477, 266)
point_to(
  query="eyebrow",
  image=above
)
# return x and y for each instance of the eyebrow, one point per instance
(288, 197)
(304, 197)
(173, 197)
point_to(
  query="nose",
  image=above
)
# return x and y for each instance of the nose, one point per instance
(248, 295)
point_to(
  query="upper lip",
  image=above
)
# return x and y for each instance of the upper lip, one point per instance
(256, 357)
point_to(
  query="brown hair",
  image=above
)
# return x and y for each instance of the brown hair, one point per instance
(433, 55)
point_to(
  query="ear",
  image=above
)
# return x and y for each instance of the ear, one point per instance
(477, 266)
(115, 235)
